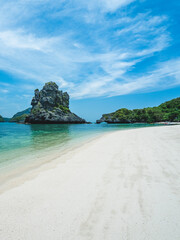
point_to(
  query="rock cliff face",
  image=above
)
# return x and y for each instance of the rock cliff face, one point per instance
(51, 106)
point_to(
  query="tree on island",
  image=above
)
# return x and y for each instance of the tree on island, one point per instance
(168, 111)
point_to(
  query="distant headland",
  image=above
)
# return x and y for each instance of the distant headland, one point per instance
(166, 112)
(1, 119)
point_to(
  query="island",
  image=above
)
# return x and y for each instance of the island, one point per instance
(166, 112)
(1, 119)
(20, 117)
(50, 105)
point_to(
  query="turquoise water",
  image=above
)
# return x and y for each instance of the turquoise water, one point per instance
(20, 143)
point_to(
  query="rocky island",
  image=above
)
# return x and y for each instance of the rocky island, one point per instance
(50, 105)
(166, 112)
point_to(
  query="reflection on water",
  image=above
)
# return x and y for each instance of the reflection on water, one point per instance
(19, 140)
(48, 135)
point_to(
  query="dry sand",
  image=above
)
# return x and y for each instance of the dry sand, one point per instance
(124, 185)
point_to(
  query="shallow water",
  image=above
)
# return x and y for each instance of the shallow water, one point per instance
(22, 143)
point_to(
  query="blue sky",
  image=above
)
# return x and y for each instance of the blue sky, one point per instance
(106, 54)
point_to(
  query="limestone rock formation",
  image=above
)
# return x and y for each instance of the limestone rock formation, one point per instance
(51, 106)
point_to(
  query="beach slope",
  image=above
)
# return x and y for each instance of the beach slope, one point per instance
(124, 185)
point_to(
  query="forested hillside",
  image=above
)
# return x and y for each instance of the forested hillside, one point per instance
(168, 111)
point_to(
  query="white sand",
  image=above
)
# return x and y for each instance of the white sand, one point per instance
(122, 186)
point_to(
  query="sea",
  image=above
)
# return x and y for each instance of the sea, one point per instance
(25, 144)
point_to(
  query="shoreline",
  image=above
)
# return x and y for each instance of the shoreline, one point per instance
(170, 123)
(121, 185)
(18, 172)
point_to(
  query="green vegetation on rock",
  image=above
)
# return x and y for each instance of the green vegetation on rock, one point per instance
(168, 111)
(64, 109)
(36, 109)
(51, 83)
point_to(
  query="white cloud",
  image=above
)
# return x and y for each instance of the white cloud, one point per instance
(114, 4)
(20, 40)
(88, 58)
(107, 5)
(165, 75)
(4, 90)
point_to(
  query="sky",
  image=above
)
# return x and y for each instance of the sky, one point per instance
(106, 54)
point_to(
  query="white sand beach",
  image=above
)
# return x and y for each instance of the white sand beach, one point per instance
(124, 185)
